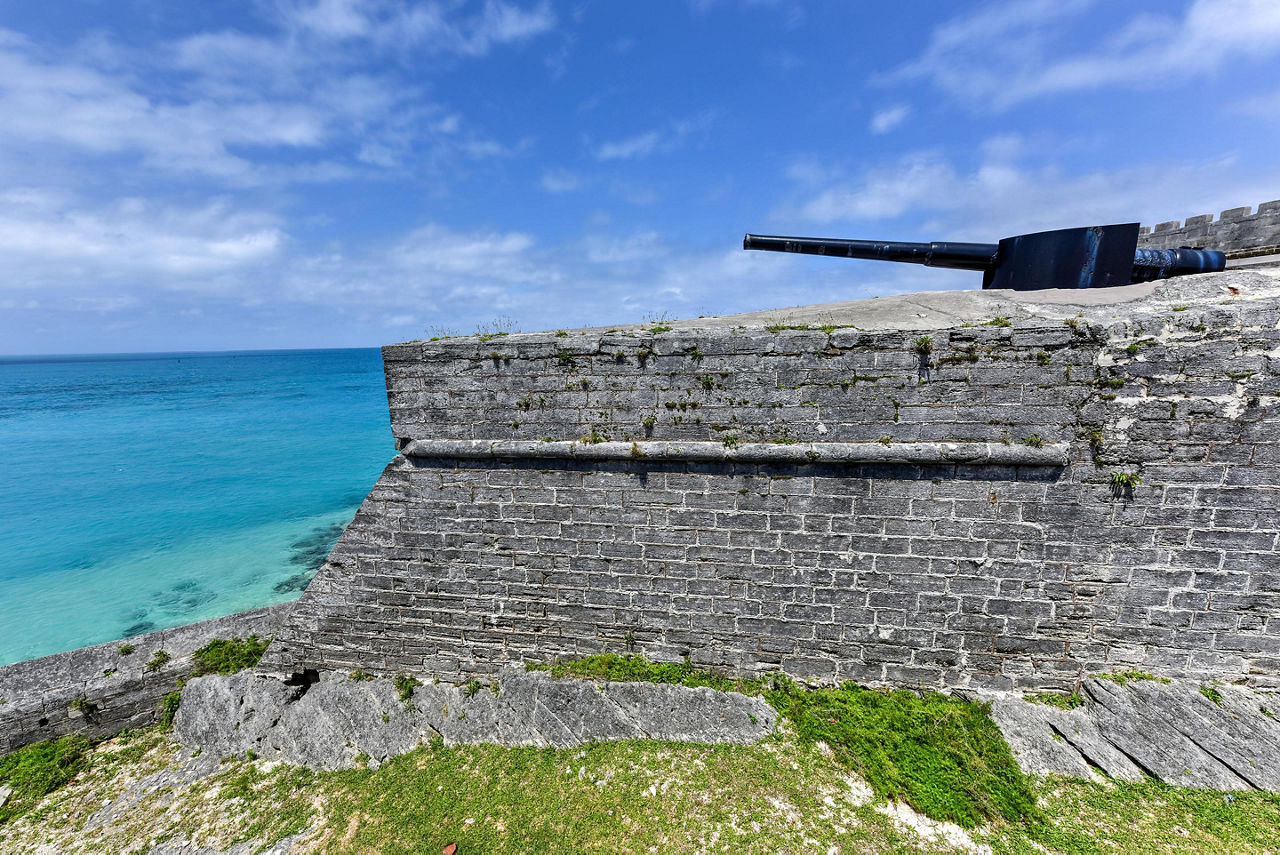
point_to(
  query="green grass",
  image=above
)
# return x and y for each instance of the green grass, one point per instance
(783, 794)
(943, 756)
(1080, 817)
(36, 770)
(228, 655)
(615, 797)
(169, 709)
(638, 669)
(1212, 694)
(1124, 678)
(1054, 699)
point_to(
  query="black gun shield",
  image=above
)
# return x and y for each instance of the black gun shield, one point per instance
(1093, 257)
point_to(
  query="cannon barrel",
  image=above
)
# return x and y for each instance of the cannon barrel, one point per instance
(959, 256)
(1151, 264)
(1090, 257)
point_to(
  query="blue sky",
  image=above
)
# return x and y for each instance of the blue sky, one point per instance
(293, 173)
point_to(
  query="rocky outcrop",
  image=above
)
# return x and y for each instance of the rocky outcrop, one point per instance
(1221, 737)
(330, 722)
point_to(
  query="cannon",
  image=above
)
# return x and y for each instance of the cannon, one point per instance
(1090, 257)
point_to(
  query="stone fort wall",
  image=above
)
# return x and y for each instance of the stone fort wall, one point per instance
(1236, 231)
(1012, 495)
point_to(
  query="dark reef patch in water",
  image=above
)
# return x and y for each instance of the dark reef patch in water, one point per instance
(309, 553)
(138, 628)
(296, 583)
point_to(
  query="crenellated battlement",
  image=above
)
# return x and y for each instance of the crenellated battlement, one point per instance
(1240, 232)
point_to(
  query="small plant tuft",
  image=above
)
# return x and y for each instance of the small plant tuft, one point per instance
(228, 655)
(923, 345)
(999, 321)
(157, 661)
(1212, 694)
(125, 649)
(471, 689)
(405, 684)
(1124, 482)
(360, 676)
(84, 706)
(1056, 699)
(1035, 440)
(169, 710)
(1124, 678)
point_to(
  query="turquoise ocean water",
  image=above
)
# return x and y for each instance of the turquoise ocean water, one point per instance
(147, 491)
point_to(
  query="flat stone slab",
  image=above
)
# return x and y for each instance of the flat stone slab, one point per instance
(1148, 728)
(328, 724)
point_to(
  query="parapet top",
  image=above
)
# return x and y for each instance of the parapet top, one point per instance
(923, 311)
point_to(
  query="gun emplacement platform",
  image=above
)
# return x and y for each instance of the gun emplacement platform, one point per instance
(1090, 257)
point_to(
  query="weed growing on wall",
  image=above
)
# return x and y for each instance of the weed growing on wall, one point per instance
(228, 655)
(157, 661)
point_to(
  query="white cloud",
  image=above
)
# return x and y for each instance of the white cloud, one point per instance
(913, 181)
(223, 105)
(643, 246)
(434, 27)
(1001, 55)
(434, 251)
(1266, 106)
(883, 121)
(625, 149)
(51, 239)
(1002, 194)
(561, 181)
(662, 140)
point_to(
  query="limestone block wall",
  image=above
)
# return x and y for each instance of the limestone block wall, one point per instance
(1237, 230)
(980, 502)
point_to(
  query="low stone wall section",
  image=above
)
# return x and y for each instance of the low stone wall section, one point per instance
(36, 695)
(1138, 530)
